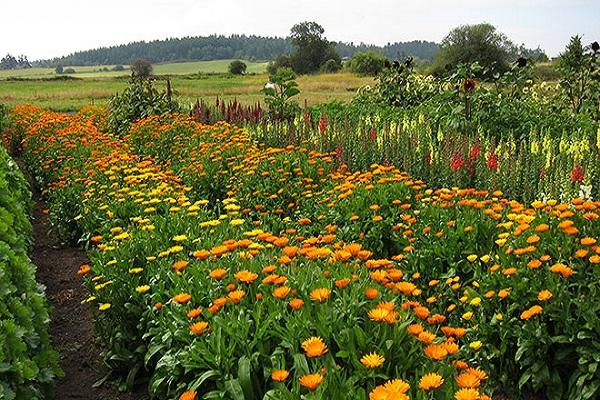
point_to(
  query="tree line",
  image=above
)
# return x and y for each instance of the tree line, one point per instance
(11, 62)
(219, 47)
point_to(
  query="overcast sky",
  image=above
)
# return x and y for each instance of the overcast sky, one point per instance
(50, 28)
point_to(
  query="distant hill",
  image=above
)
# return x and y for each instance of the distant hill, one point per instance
(218, 47)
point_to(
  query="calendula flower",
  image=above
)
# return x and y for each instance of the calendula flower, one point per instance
(314, 347)
(199, 327)
(431, 381)
(320, 294)
(189, 395)
(372, 360)
(246, 276)
(142, 289)
(104, 306)
(311, 381)
(182, 298)
(467, 394)
(280, 375)
(544, 295)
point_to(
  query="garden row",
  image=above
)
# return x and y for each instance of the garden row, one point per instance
(225, 269)
(28, 364)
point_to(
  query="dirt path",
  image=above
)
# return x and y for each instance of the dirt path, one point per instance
(71, 324)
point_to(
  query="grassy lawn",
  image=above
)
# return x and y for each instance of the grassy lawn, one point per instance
(73, 94)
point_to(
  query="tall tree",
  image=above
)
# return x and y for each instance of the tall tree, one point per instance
(480, 43)
(9, 62)
(311, 48)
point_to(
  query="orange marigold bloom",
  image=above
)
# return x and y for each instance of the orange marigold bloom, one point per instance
(199, 327)
(189, 395)
(436, 352)
(314, 347)
(531, 312)
(182, 298)
(478, 373)
(431, 381)
(562, 269)
(236, 296)
(281, 292)
(311, 381)
(320, 294)
(467, 394)
(296, 304)
(372, 360)
(415, 329)
(201, 254)
(280, 375)
(588, 241)
(194, 313)
(421, 312)
(342, 283)
(468, 380)
(180, 265)
(218, 273)
(544, 295)
(371, 293)
(84, 269)
(246, 276)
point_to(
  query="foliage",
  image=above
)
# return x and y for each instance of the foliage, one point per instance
(311, 48)
(580, 76)
(237, 67)
(141, 99)
(331, 65)
(141, 69)
(478, 288)
(219, 47)
(369, 63)
(480, 43)
(28, 364)
(279, 92)
(10, 62)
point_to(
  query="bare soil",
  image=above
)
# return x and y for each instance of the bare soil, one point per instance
(71, 326)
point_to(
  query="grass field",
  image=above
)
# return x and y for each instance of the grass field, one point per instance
(180, 68)
(96, 88)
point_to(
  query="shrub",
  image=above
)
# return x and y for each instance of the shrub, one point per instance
(368, 63)
(237, 67)
(141, 69)
(331, 65)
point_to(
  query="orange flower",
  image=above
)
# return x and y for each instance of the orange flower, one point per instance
(296, 304)
(189, 395)
(431, 381)
(84, 270)
(544, 295)
(180, 265)
(371, 293)
(182, 298)
(588, 241)
(311, 381)
(280, 375)
(246, 276)
(199, 327)
(436, 352)
(320, 294)
(281, 292)
(218, 273)
(314, 347)
(201, 254)
(342, 283)
(467, 394)
(194, 313)
(468, 380)
(562, 269)
(531, 312)
(236, 296)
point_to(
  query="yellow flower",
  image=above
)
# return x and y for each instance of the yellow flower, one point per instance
(236, 222)
(142, 289)
(468, 315)
(104, 306)
(472, 257)
(476, 345)
(372, 360)
(179, 238)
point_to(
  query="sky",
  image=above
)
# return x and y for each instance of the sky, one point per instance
(43, 29)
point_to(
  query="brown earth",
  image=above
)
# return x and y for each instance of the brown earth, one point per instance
(71, 326)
